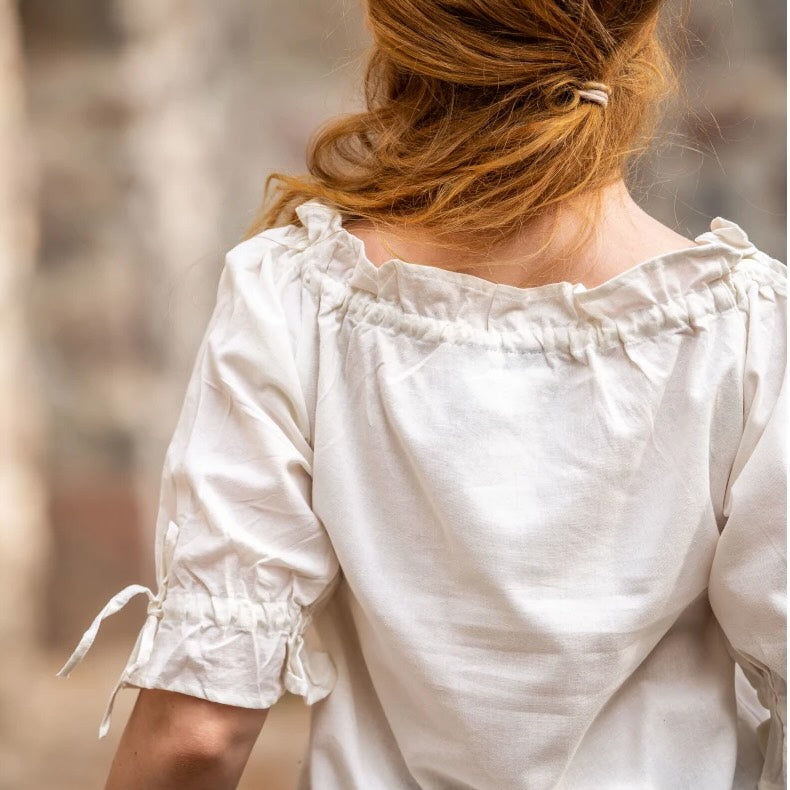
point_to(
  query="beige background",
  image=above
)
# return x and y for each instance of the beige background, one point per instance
(135, 136)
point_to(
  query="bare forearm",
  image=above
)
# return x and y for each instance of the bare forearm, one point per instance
(131, 771)
(175, 742)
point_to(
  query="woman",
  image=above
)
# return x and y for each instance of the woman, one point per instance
(511, 445)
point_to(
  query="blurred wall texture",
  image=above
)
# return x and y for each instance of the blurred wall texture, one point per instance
(135, 137)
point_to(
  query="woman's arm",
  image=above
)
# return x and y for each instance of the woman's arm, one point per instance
(177, 742)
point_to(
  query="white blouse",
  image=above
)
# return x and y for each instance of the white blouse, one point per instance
(498, 537)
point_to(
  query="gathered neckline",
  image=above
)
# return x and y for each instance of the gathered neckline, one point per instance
(678, 288)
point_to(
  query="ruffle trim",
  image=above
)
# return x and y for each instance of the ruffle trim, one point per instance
(275, 633)
(678, 291)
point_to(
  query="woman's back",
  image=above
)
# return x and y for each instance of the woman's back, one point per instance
(525, 491)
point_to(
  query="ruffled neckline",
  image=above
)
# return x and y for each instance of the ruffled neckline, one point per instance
(679, 287)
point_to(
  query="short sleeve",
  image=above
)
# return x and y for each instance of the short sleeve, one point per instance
(242, 561)
(748, 581)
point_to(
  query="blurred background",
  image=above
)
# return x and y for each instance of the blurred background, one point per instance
(135, 137)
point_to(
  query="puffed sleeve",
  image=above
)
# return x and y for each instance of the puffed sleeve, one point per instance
(748, 582)
(241, 559)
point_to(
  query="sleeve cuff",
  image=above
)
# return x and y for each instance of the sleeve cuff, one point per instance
(226, 650)
(233, 651)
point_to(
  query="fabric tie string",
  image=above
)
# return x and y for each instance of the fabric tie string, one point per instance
(115, 604)
(145, 640)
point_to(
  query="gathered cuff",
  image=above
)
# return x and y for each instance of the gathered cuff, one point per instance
(233, 651)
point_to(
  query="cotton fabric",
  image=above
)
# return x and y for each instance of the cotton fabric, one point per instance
(498, 537)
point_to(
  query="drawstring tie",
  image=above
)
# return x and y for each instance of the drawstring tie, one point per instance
(145, 640)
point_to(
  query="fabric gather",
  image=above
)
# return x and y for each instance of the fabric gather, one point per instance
(679, 291)
(271, 634)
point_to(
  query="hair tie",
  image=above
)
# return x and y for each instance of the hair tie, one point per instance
(596, 92)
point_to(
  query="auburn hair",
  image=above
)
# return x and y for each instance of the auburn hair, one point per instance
(474, 123)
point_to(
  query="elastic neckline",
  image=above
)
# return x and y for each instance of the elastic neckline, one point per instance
(447, 295)
(678, 292)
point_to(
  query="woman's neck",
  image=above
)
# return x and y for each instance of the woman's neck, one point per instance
(624, 236)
